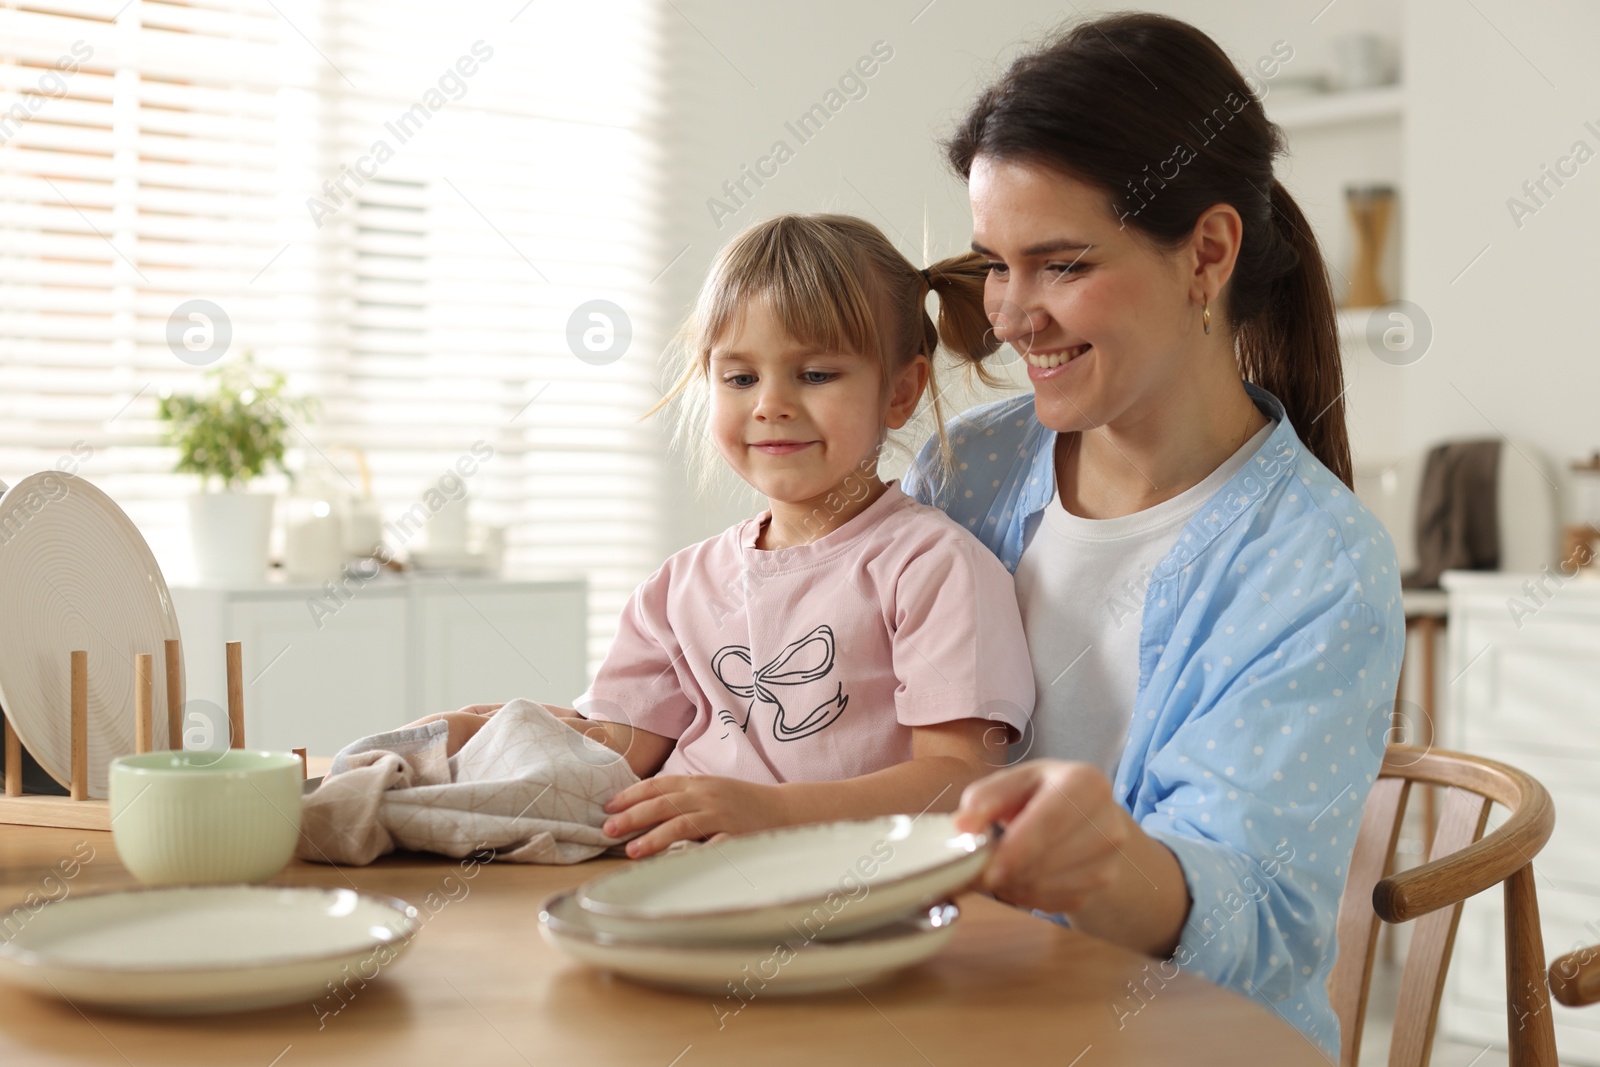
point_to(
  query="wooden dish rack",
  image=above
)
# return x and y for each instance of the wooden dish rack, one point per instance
(76, 810)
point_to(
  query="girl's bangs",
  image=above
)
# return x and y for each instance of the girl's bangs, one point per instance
(816, 293)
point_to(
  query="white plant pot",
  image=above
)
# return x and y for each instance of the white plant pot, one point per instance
(230, 532)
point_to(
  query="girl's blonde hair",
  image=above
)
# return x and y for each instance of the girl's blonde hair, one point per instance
(835, 282)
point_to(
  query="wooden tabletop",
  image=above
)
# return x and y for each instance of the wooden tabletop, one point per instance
(479, 988)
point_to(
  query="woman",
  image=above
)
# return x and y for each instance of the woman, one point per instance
(1215, 620)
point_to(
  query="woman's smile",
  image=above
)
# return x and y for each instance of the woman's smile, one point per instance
(1053, 364)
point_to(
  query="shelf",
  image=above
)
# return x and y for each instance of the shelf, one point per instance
(1332, 109)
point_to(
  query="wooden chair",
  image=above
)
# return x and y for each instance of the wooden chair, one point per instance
(1575, 977)
(1461, 863)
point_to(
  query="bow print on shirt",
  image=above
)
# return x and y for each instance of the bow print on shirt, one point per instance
(803, 668)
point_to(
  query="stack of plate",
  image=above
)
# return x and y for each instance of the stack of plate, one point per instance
(799, 910)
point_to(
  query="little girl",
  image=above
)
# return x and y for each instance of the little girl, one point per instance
(849, 652)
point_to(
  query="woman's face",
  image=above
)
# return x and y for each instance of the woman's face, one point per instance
(1100, 316)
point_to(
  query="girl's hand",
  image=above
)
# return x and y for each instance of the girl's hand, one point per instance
(463, 724)
(691, 808)
(1069, 847)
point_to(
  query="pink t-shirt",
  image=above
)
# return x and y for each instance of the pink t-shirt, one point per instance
(813, 663)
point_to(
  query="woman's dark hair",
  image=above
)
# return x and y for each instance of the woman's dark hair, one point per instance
(1152, 111)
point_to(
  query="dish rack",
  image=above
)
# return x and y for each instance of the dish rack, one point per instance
(77, 811)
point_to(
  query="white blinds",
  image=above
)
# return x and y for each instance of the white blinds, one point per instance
(400, 204)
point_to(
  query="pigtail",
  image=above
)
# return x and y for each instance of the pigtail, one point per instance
(964, 330)
(964, 327)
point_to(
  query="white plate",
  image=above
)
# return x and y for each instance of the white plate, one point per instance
(777, 967)
(839, 877)
(76, 574)
(201, 950)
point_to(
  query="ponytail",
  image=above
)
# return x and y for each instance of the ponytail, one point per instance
(1290, 347)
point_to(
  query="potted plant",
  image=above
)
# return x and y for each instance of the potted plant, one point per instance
(230, 436)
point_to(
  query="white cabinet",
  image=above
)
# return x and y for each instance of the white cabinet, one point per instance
(498, 643)
(314, 688)
(1524, 687)
(320, 672)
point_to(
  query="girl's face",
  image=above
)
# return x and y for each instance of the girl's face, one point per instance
(795, 422)
(1099, 316)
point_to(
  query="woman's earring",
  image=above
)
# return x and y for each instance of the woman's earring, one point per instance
(1205, 315)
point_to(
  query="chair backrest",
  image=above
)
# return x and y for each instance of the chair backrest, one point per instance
(1575, 977)
(1528, 504)
(1462, 863)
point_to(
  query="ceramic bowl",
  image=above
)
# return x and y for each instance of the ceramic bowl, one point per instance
(785, 966)
(824, 880)
(205, 817)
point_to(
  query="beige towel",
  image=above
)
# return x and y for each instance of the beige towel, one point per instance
(526, 785)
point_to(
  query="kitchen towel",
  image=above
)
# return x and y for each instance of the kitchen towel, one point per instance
(526, 785)
(1458, 512)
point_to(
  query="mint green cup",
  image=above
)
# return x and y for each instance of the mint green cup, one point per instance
(191, 818)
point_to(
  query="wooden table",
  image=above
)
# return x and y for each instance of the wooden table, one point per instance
(479, 988)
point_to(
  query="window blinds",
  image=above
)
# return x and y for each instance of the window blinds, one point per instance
(402, 205)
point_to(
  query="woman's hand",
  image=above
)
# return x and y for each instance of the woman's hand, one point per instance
(1062, 832)
(1069, 847)
(691, 808)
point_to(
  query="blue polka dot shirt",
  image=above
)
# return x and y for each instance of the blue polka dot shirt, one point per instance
(1269, 652)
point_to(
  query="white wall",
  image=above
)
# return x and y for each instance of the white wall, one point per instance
(1508, 334)
(1506, 92)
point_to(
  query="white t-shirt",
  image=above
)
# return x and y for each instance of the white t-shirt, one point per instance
(1081, 584)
